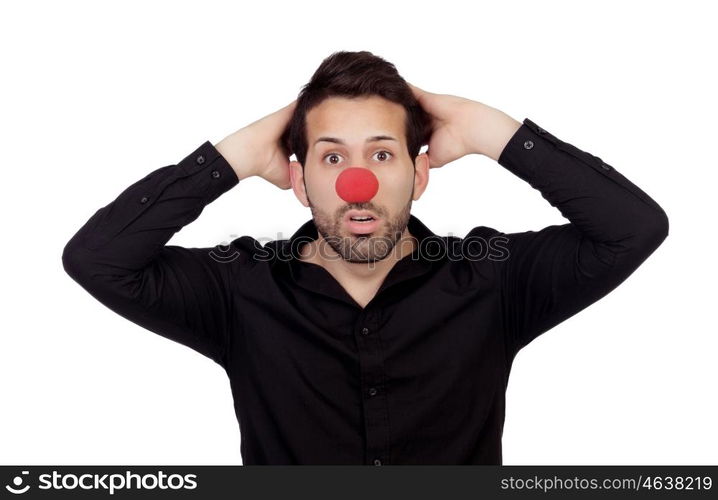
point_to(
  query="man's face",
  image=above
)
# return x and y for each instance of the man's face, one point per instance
(353, 121)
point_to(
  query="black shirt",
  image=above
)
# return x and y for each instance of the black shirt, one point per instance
(419, 375)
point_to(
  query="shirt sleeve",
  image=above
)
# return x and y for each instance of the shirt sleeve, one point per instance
(121, 258)
(549, 275)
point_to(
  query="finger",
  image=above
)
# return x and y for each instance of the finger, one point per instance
(415, 88)
(418, 93)
(433, 163)
(288, 110)
(431, 160)
(282, 116)
(427, 102)
(285, 112)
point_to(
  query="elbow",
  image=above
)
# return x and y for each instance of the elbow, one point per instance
(633, 251)
(657, 229)
(74, 262)
(70, 260)
(653, 231)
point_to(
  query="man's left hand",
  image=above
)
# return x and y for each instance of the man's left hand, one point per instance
(462, 126)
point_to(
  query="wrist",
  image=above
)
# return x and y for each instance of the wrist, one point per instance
(494, 130)
(234, 149)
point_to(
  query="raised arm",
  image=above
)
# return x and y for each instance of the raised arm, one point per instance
(121, 258)
(549, 275)
(119, 255)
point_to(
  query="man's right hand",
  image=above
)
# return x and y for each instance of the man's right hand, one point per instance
(257, 148)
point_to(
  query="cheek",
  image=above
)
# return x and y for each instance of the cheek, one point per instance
(396, 186)
(322, 191)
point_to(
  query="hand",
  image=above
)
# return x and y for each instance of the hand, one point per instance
(257, 148)
(451, 119)
(462, 126)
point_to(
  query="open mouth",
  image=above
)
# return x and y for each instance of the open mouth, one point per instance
(361, 223)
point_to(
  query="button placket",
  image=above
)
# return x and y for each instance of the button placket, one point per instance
(371, 363)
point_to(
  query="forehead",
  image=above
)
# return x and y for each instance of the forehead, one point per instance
(354, 119)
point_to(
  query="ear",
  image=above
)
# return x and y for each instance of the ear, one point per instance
(296, 175)
(421, 175)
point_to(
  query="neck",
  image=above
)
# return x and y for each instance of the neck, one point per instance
(357, 270)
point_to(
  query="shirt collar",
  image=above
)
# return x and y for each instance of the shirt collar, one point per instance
(316, 278)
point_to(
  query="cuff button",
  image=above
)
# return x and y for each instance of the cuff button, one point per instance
(200, 160)
(605, 166)
(144, 199)
(215, 174)
(528, 144)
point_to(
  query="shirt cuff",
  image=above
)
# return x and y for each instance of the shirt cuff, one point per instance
(527, 149)
(208, 159)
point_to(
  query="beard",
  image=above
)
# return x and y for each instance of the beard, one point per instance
(362, 248)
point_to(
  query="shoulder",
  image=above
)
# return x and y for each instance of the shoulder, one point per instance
(485, 243)
(471, 261)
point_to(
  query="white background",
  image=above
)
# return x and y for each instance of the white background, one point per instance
(95, 95)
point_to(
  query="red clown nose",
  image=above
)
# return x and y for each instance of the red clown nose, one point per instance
(356, 185)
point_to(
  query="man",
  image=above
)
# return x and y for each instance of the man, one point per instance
(365, 338)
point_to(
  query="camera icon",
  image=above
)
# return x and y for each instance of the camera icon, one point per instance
(18, 489)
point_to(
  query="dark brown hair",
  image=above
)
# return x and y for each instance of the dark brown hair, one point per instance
(354, 74)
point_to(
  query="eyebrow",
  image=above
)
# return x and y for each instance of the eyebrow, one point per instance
(374, 138)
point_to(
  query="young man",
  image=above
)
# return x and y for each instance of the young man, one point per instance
(371, 341)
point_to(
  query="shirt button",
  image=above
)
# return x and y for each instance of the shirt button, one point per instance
(144, 199)
(528, 144)
(215, 174)
(200, 160)
(372, 391)
(377, 461)
(365, 331)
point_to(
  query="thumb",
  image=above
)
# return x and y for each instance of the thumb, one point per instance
(432, 162)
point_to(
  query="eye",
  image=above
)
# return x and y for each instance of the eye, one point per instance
(378, 152)
(331, 154)
(385, 152)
